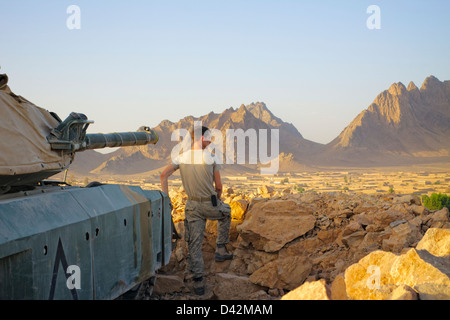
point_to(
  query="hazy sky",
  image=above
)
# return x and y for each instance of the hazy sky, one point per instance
(315, 64)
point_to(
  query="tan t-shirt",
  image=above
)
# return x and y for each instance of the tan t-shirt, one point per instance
(197, 169)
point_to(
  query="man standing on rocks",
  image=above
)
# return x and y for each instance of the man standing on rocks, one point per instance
(201, 180)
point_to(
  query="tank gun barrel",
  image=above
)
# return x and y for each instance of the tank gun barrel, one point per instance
(143, 136)
(70, 135)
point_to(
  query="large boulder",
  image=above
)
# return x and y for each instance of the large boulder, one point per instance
(238, 209)
(286, 273)
(436, 241)
(440, 219)
(402, 236)
(363, 280)
(316, 290)
(271, 224)
(383, 275)
(426, 273)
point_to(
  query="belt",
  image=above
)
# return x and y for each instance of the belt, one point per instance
(200, 199)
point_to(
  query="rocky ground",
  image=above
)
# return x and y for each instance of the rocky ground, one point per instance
(331, 245)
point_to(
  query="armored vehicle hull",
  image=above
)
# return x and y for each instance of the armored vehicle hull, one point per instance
(81, 243)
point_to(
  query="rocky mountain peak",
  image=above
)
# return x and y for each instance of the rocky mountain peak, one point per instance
(430, 82)
(397, 89)
(412, 87)
(437, 94)
(242, 109)
(401, 121)
(262, 112)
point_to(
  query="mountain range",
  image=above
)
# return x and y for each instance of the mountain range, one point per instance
(402, 126)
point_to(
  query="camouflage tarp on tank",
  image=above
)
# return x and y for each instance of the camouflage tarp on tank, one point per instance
(23, 129)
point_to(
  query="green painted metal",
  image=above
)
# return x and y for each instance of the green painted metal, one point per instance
(82, 243)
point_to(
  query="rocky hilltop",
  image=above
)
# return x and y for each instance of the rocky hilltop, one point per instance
(308, 245)
(403, 125)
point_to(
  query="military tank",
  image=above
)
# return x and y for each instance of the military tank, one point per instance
(57, 241)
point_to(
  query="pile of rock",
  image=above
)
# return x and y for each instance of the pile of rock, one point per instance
(290, 244)
(420, 273)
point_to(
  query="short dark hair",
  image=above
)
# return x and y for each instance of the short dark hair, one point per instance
(204, 129)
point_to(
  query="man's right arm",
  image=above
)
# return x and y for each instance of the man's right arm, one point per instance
(167, 172)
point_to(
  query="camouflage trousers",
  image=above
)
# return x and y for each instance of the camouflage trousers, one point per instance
(196, 214)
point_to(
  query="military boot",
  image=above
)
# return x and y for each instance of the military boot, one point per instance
(199, 286)
(222, 253)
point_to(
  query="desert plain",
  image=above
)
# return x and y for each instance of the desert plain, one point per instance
(417, 180)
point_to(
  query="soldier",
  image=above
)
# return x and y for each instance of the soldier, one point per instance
(201, 180)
